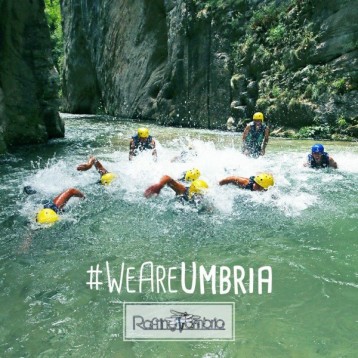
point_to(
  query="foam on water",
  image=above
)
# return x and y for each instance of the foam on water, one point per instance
(295, 186)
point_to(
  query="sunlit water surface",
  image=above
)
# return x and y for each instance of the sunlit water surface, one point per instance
(305, 228)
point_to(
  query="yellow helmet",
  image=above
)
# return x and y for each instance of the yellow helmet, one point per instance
(258, 116)
(46, 216)
(107, 178)
(192, 174)
(143, 132)
(265, 180)
(198, 187)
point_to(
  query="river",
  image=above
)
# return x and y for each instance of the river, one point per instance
(305, 229)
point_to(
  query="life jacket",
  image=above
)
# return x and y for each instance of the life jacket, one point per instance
(324, 161)
(250, 184)
(255, 137)
(142, 145)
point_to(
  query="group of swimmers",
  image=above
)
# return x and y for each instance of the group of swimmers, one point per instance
(190, 188)
(255, 138)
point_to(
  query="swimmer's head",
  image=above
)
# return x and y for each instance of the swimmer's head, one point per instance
(107, 178)
(192, 174)
(317, 148)
(143, 132)
(258, 116)
(265, 180)
(47, 216)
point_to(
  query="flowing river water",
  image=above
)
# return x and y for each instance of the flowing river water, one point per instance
(305, 229)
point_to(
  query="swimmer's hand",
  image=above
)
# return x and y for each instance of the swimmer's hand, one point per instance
(153, 190)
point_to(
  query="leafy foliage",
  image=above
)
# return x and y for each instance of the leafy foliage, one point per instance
(217, 5)
(53, 16)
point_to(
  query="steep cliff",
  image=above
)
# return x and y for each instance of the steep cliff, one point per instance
(28, 81)
(195, 63)
(143, 59)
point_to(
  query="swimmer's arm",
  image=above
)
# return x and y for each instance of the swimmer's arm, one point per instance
(179, 188)
(100, 168)
(246, 132)
(61, 200)
(165, 180)
(332, 163)
(86, 166)
(307, 163)
(154, 152)
(239, 181)
(152, 144)
(266, 139)
(131, 149)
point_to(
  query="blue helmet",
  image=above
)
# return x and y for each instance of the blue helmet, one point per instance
(318, 148)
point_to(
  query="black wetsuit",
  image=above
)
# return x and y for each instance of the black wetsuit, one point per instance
(250, 185)
(324, 161)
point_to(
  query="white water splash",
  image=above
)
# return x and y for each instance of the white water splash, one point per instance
(295, 186)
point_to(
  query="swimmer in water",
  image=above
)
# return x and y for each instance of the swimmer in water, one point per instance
(260, 182)
(106, 177)
(192, 194)
(52, 208)
(140, 142)
(319, 158)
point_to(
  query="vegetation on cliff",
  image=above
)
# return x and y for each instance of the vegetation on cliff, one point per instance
(53, 17)
(280, 65)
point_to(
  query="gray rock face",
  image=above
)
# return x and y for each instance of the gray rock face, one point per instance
(159, 60)
(339, 28)
(28, 80)
(144, 59)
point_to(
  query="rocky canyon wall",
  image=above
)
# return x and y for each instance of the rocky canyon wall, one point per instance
(144, 59)
(28, 81)
(185, 63)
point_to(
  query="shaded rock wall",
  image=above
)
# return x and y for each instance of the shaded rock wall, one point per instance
(144, 59)
(28, 80)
